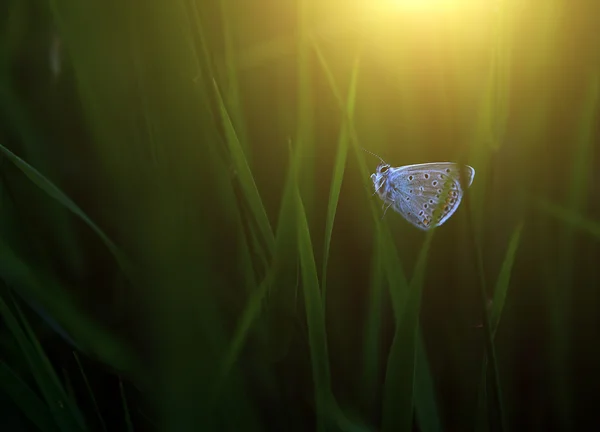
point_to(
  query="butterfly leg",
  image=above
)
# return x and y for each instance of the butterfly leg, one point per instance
(377, 190)
(386, 209)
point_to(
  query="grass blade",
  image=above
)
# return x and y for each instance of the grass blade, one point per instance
(90, 392)
(338, 174)
(498, 302)
(53, 191)
(314, 318)
(29, 403)
(245, 175)
(398, 397)
(128, 421)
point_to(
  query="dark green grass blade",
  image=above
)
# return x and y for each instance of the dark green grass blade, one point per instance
(32, 283)
(338, 174)
(27, 401)
(560, 299)
(498, 302)
(372, 332)
(64, 413)
(428, 417)
(498, 421)
(504, 279)
(125, 405)
(399, 386)
(245, 175)
(572, 218)
(90, 392)
(234, 99)
(315, 318)
(48, 187)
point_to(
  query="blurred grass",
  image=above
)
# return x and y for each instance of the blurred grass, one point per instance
(246, 255)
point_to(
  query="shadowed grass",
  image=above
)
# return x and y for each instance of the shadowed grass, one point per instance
(572, 218)
(65, 414)
(54, 192)
(26, 399)
(315, 319)
(498, 301)
(246, 179)
(398, 393)
(125, 407)
(90, 393)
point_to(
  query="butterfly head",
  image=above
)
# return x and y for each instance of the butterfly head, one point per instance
(380, 178)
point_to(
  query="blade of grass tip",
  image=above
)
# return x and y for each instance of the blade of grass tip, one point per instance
(53, 191)
(245, 175)
(125, 407)
(43, 373)
(399, 385)
(338, 175)
(26, 399)
(315, 318)
(90, 392)
(504, 279)
(498, 302)
(251, 312)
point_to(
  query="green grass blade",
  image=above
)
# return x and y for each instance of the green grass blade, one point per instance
(26, 399)
(53, 191)
(245, 175)
(498, 302)
(32, 283)
(570, 217)
(314, 317)
(128, 421)
(65, 414)
(504, 279)
(372, 332)
(90, 392)
(399, 387)
(338, 174)
(428, 416)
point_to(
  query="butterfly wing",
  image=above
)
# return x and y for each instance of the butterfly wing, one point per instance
(428, 194)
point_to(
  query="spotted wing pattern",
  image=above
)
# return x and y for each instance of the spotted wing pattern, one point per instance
(428, 194)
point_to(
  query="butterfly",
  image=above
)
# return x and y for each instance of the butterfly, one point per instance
(426, 194)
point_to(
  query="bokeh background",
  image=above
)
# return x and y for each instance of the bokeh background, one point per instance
(189, 239)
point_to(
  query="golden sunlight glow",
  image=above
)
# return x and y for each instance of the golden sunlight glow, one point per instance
(421, 4)
(425, 5)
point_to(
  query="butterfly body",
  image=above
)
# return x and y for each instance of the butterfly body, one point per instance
(427, 194)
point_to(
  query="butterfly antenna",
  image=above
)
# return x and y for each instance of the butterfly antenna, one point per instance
(376, 155)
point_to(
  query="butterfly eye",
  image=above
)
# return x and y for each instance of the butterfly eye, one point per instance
(384, 168)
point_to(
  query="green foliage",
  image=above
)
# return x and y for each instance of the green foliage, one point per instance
(218, 169)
